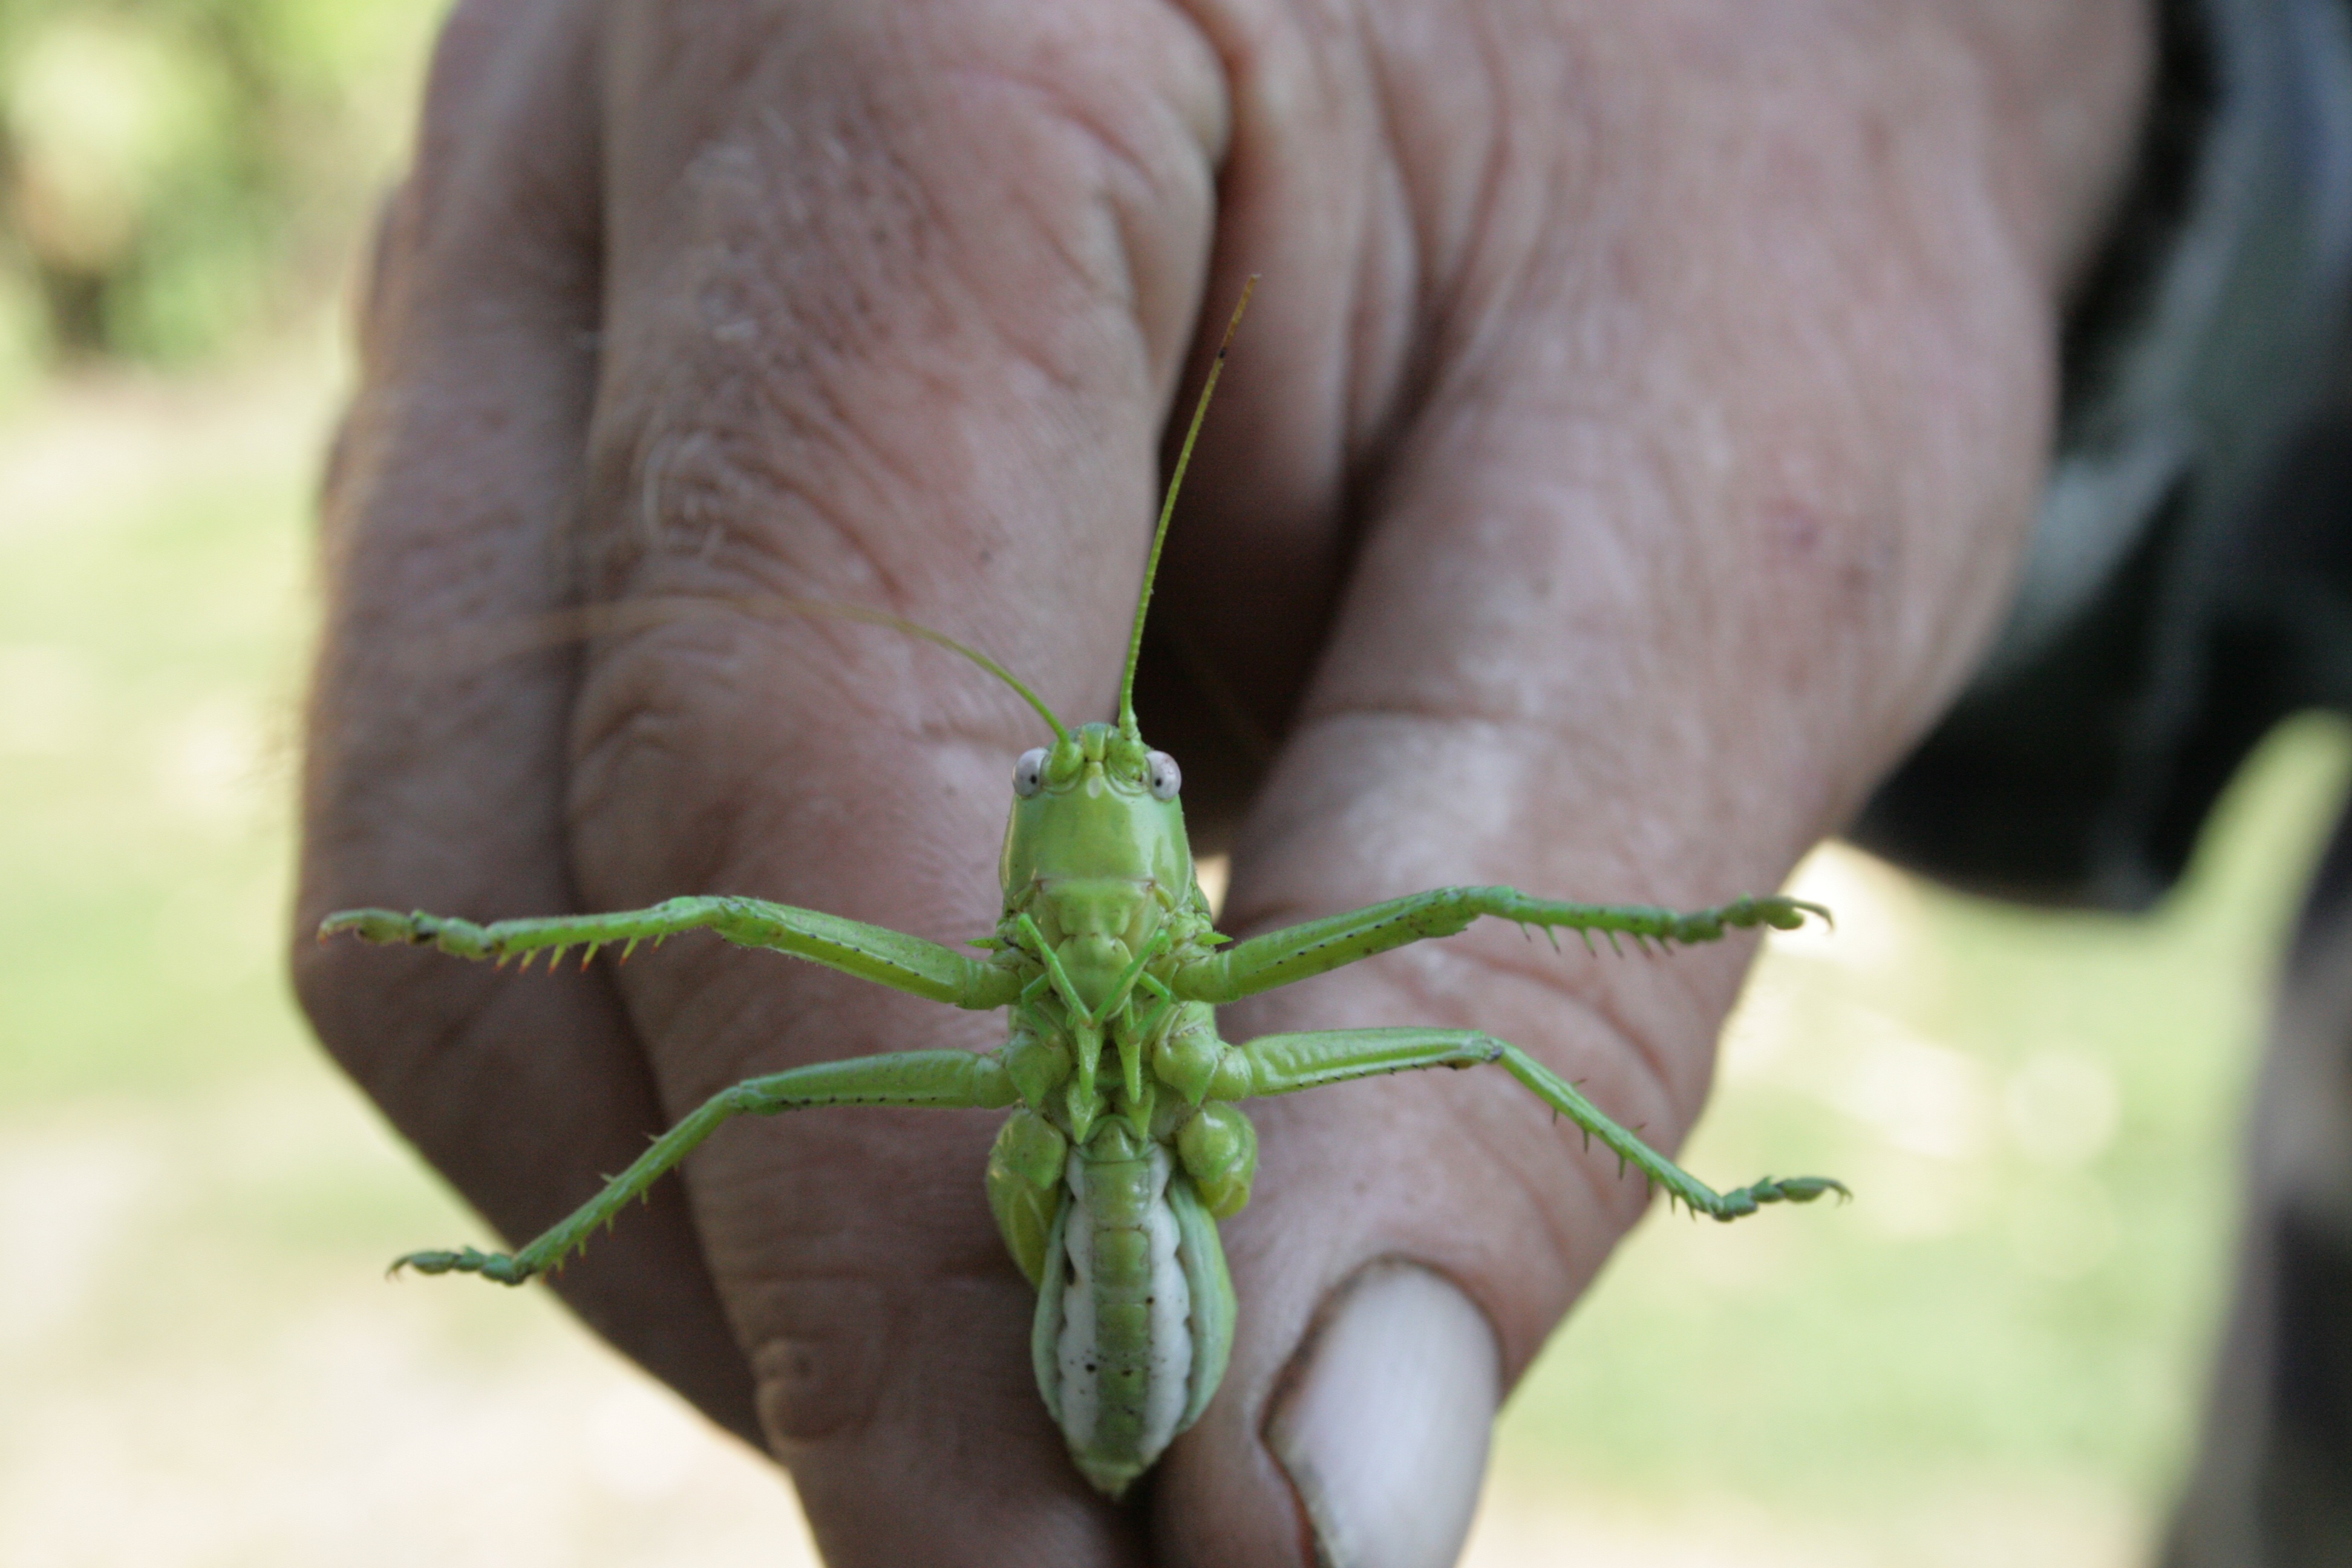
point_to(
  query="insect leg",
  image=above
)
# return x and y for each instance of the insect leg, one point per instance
(868, 951)
(1202, 1256)
(1280, 1064)
(945, 1078)
(1024, 1188)
(1317, 947)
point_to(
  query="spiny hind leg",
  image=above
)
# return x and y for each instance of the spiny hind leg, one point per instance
(1283, 1064)
(943, 1078)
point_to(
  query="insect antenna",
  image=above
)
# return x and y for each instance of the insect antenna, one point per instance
(1167, 510)
(941, 639)
(582, 621)
(578, 621)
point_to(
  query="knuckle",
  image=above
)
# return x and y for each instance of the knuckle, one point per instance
(818, 1369)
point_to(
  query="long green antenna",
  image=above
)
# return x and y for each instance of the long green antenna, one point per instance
(1167, 510)
(917, 629)
(633, 614)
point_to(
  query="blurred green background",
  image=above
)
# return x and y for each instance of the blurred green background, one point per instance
(1995, 1356)
(170, 166)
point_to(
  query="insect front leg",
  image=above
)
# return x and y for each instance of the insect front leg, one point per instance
(1282, 1064)
(952, 1079)
(871, 953)
(1318, 947)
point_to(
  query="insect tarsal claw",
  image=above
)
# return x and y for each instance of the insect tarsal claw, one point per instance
(466, 1260)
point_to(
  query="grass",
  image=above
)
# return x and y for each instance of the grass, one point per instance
(1994, 1356)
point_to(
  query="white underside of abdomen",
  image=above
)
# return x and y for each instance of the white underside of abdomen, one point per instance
(1169, 1347)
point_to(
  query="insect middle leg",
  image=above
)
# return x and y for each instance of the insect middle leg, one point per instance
(1318, 947)
(1282, 1064)
(954, 1079)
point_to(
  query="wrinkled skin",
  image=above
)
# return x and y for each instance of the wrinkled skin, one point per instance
(1626, 455)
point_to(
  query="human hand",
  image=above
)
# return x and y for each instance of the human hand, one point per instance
(1625, 457)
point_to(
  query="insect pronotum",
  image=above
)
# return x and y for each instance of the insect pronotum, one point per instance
(1126, 1144)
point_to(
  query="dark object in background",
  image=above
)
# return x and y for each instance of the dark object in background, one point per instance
(2190, 580)
(2189, 586)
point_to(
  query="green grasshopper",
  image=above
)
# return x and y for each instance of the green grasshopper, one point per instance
(1126, 1144)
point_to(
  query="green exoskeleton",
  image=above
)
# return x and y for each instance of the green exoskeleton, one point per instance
(1126, 1144)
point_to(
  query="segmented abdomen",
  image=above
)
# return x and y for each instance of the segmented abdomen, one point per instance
(1123, 1348)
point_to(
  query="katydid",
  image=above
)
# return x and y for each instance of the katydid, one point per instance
(1126, 1144)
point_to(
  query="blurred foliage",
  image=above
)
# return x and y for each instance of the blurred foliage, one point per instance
(174, 172)
(1995, 1355)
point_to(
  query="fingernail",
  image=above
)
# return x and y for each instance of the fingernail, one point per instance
(1383, 1428)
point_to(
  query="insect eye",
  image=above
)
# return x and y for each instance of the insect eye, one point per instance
(1029, 773)
(1165, 776)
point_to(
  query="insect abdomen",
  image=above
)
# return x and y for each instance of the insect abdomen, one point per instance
(1135, 1312)
(1124, 1351)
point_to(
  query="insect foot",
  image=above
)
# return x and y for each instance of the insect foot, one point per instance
(1745, 1200)
(498, 1265)
(1779, 912)
(382, 927)
(390, 928)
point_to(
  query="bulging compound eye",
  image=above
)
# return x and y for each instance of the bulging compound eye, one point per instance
(1029, 773)
(1166, 778)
